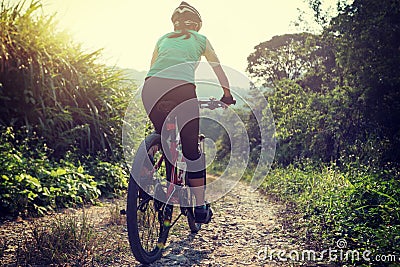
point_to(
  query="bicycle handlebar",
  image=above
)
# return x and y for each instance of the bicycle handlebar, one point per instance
(212, 103)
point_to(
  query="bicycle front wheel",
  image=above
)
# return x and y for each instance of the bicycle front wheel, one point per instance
(147, 215)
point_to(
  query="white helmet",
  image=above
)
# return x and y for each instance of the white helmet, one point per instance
(187, 15)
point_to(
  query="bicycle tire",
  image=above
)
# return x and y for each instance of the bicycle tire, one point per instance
(144, 212)
(187, 208)
(194, 227)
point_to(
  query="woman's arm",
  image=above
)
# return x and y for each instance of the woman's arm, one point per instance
(212, 58)
(154, 57)
(223, 80)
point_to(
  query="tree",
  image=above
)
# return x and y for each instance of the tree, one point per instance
(368, 51)
(282, 57)
(349, 77)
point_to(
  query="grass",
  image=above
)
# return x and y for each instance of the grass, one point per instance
(95, 236)
(359, 205)
(115, 217)
(56, 101)
(65, 239)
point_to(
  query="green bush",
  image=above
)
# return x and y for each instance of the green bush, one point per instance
(111, 178)
(368, 211)
(30, 181)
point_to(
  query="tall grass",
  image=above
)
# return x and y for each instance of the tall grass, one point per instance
(49, 84)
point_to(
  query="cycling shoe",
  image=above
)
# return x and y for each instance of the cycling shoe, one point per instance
(203, 214)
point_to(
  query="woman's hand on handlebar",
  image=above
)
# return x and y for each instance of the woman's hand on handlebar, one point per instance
(228, 100)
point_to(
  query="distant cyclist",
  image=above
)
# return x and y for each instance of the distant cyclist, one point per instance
(171, 78)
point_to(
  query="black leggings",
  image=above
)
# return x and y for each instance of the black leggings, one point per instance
(184, 95)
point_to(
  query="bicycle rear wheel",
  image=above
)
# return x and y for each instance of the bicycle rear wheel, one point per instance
(147, 216)
(194, 227)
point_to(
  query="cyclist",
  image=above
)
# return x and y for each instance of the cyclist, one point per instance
(171, 78)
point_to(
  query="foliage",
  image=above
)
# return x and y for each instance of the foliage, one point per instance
(46, 184)
(282, 57)
(111, 178)
(338, 91)
(320, 127)
(48, 84)
(61, 115)
(360, 205)
(368, 34)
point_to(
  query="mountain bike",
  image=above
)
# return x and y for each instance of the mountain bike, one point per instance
(158, 184)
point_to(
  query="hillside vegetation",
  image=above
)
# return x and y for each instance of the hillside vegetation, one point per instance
(60, 116)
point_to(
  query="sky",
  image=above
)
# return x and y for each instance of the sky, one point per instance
(127, 30)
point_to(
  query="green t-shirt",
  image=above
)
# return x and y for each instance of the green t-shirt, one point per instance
(177, 58)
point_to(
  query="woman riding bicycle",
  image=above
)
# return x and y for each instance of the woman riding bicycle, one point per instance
(171, 78)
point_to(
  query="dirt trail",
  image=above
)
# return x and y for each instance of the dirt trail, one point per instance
(244, 224)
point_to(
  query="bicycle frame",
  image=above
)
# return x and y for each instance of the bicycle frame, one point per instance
(177, 175)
